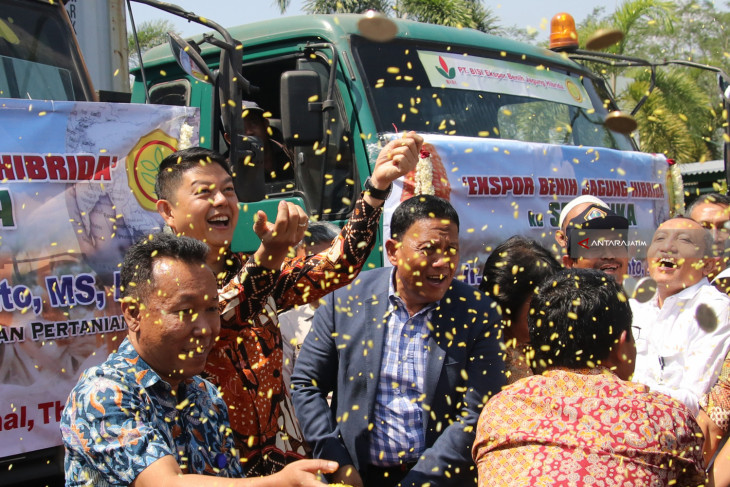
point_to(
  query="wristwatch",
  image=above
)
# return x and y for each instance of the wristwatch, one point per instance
(378, 194)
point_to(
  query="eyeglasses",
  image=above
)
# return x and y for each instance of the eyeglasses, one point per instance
(636, 331)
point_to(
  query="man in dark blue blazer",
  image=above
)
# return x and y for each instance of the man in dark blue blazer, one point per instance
(411, 355)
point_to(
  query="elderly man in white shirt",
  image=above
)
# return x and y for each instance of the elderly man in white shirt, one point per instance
(684, 330)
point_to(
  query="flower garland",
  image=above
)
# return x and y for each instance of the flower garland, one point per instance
(186, 136)
(424, 174)
(675, 180)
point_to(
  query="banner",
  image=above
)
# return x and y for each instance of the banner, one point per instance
(502, 188)
(460, 72)
(76, 189)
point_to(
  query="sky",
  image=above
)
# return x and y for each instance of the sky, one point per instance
(534, 14)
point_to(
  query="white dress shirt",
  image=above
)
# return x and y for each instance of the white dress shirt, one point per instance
(294, 325)
(674, 355)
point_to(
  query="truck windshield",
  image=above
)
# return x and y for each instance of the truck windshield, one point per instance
(435, 88)
(37, 57)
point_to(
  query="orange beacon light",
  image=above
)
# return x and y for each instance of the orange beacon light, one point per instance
(563, 35)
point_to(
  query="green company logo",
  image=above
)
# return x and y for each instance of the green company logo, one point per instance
(445, 70)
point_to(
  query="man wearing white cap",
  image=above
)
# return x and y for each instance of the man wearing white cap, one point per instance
(570, 211)
(584, 220)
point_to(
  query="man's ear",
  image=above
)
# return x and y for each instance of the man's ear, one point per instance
(708, 265)
(166, 209)
(617, 351)
(561, 238)
(391, 246)
(623, 356)
(131, 312)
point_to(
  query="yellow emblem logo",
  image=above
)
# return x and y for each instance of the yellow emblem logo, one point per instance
(574, 91)
(143, 162)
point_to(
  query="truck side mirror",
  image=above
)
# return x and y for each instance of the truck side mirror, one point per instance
(189, 59)
(301, 107)
(620, 122)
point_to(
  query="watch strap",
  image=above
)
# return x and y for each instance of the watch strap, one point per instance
(379, 194)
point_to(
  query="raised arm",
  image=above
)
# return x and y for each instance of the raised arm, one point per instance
(306, 280)
(298, 281)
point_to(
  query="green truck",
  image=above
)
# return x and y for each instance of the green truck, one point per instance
(517, 130)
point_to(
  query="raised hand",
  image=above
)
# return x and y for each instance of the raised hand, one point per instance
(279, 238)
(396, 159)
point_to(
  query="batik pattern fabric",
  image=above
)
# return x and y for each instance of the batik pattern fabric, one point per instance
(716, 403)
(121, 417)
(587, 427)
(247, 359)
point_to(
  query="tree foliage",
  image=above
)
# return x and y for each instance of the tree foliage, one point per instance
(683, 116)
(454, 13)
(150, 33)
(676, 117)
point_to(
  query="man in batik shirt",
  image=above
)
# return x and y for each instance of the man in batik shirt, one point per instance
(579, 422)
(197, 199)
(144, 416)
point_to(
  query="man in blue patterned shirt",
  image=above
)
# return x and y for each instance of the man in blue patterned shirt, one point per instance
(144, 417)
(411, 355)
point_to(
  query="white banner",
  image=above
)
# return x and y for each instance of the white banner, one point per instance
(502, 188)
(76, 189)
(498, 76)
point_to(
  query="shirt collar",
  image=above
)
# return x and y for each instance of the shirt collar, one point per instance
(233, 261)
(395, 299)
(145, 375)
(686, 293)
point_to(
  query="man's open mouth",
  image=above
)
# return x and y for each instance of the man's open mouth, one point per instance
(191, 354)
(194, 352)
(219, 221)
(668, 262)
(436, 279)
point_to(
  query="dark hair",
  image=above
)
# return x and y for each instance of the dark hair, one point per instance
(320, 232)
(173, 167)
(514, 270)
(711, 198)
(136, 274)
(419, 207)
(579, 314)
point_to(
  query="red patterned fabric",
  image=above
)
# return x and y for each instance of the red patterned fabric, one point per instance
(716, 403)
(246, 362)
(576, 428)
